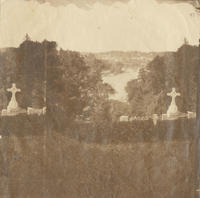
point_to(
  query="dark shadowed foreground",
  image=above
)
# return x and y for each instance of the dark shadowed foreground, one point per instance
(59, 165)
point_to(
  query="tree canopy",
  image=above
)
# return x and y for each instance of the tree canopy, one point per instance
(148, 94)
(68, 83)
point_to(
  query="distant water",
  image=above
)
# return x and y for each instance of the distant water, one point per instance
(119, 82)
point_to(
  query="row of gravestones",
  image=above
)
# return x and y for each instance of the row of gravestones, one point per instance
(156, 117)
(14, 109)
(172, 112)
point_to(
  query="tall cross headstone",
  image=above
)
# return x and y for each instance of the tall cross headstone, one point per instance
(13, 105)
(173, 109)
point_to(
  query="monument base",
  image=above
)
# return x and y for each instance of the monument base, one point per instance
(13, 112)
(173, 116)
(32, 111)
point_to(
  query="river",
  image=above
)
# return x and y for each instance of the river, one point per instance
(119, 82)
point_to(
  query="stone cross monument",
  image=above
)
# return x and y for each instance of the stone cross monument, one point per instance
(173, 109)
(13, 105)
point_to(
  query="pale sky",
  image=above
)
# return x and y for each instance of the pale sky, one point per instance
(142, 25)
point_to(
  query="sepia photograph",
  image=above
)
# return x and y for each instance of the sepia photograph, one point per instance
(99, 98)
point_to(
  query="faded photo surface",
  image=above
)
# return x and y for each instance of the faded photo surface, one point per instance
(99, 98)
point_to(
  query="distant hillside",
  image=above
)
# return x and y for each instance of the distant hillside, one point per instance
(120, 60)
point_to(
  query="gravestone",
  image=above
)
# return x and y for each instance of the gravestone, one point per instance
(164, 117)
(131, 119)
(155, 119)
(124, 118)
(191, 115)
(32, 111)
(173, 109)
(13, 107)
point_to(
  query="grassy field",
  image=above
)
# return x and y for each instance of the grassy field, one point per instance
(61, 165)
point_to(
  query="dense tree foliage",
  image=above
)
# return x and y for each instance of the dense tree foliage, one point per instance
(7, 73)
(64, 81)
(147, 94)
